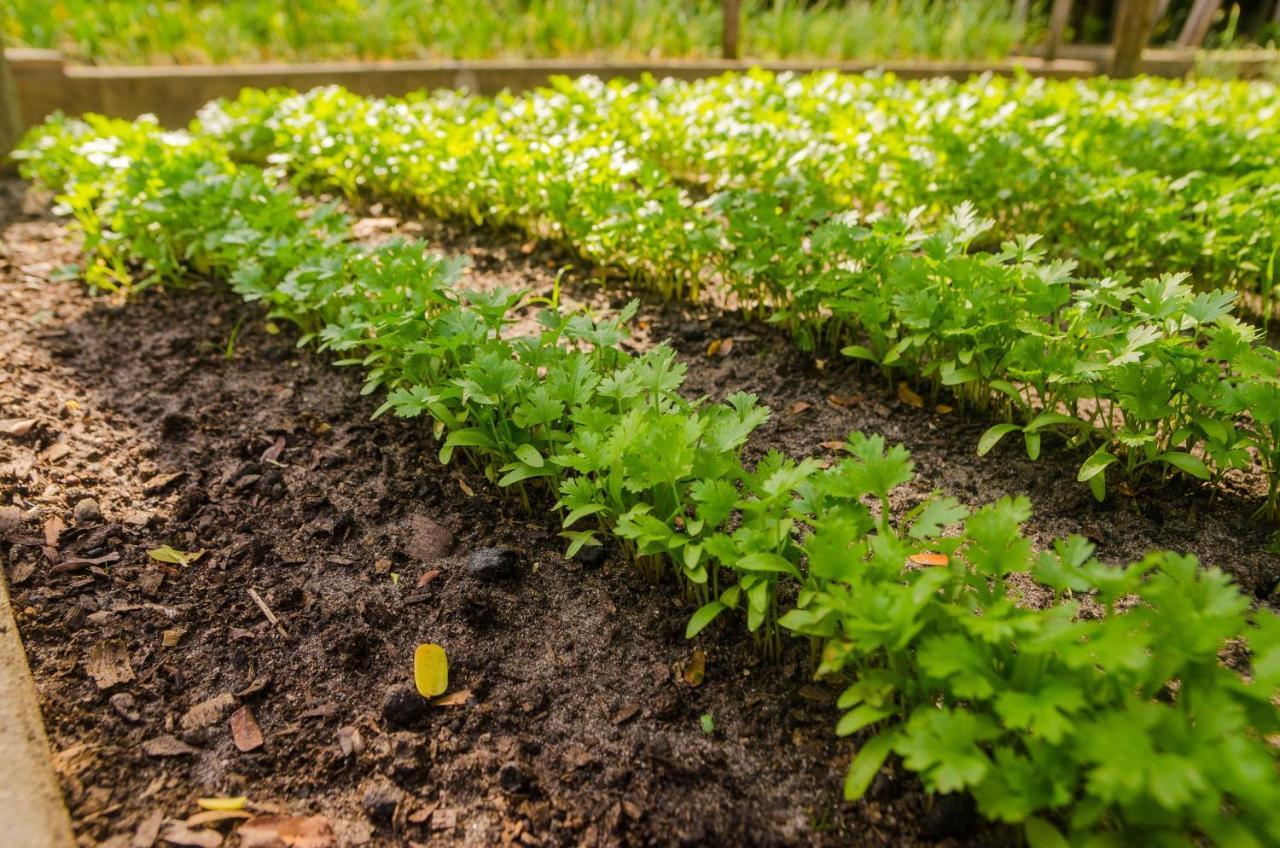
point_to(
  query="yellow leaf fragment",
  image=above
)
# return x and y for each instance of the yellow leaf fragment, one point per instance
(695, 671)
(222, 804)
(430, 670)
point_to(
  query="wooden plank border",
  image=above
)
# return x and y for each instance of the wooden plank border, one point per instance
(47, 84)
(30, 798)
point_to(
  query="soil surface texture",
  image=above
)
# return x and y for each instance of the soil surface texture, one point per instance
(277, 664)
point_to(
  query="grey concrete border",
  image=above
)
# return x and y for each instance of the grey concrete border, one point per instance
(31, 804)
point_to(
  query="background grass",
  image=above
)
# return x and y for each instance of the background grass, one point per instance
(196, 31)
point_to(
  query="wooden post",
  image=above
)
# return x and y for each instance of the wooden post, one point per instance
(1198, 22)
(1058, 17)
(1134, 20)
(732, 30)
(10, 117)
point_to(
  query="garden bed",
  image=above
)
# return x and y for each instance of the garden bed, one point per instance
(580, 726)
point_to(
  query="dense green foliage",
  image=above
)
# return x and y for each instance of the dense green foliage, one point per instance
(1103, 719)
(194, 31)
(1154, 375)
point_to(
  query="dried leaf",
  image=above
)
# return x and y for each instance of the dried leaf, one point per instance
(908, 396)
(695, 671)
(842, 401)
(148, 831)
(943, 409)
(108, 663)
(927, 558)
(245, 731)
(832, 445)
(466, 490)
(430, 670)
(287, 831)
(798, 407)
(164, 553)
(726, 347)
(428, 577)
(713, 348)
(272, 454)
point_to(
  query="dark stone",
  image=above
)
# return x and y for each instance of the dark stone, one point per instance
(693, 332)
(381, 799)
(512, 779)
(493, 564)
(402, 706)
(950, 816)
(591, 556)
(175, 424)
(87, 511)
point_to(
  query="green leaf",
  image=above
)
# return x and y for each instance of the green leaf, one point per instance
(1041, 834)
(1095, 465)
(704, 616)
(529, 455)
(993, 436)
(1186, 463)
(766, 562)
(861, 716)
(866, 765)
(164, 553)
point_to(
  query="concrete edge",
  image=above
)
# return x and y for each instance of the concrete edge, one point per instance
(31, 805)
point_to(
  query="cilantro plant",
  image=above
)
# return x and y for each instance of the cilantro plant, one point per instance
(1106, 718)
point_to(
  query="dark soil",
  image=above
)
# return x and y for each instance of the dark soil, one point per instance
(578, 727)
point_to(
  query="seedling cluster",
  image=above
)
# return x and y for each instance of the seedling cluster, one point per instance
(1105, 728)
(1157, 376)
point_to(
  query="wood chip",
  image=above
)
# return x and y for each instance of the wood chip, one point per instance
(287, 831)
(214, 816)
(245, 731)
(266, 611)
(148, 831)
(108, 663)
(177, 833)
(10, 519)
(171, 637)
(53, 528)
(16, 427)
(167, 746)
(208, 712)
(453, 699)
(160, 482)
(261, 682)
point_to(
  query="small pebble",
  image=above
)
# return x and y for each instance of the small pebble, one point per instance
(381, 799)
(402, 706)
(87, 511)
(493, 564)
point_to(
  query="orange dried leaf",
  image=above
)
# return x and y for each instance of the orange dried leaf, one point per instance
(927, 558)
(695, 671)
(908, 396)
(798, 407)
